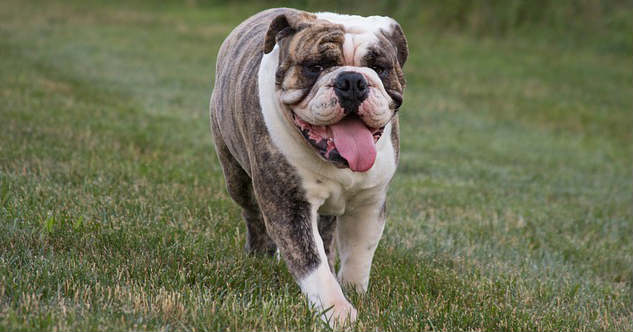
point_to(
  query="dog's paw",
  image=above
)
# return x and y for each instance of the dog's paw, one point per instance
(358, 284)
(339, 314)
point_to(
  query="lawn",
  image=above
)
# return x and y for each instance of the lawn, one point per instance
(511, 208)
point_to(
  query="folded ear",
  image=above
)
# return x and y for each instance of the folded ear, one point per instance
(284, 25)
(399, 41)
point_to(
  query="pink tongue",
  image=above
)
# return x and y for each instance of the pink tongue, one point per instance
(355, 143)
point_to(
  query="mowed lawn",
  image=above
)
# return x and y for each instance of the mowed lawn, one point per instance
(511, 208)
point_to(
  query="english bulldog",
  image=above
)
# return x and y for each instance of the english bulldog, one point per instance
(305, 124)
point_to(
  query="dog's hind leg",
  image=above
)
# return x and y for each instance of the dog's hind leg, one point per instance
(240, 188)
(257, 239)
(327, 228)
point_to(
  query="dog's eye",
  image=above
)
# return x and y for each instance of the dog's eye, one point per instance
(380, 70)
(314, 69)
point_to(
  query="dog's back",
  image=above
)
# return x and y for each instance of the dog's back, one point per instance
(234, 100)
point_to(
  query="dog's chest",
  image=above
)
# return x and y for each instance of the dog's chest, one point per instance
(335, 202)
(336, 190)
(333, 198)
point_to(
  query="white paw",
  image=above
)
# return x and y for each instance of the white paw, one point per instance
(359, 284)
(339, 314)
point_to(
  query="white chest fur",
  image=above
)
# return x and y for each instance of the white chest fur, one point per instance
(333, 189)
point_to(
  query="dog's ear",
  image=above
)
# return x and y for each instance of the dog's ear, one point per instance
(399, 41)
(285, 25)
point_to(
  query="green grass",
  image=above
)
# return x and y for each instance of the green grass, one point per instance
(511, 209)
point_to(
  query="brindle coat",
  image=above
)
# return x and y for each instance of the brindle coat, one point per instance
(274, 214)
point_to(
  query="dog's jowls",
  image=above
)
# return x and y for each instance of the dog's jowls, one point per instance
(305, 124)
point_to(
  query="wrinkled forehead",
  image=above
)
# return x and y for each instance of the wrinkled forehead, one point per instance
(361, 35)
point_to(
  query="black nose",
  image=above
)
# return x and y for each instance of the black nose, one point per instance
(351, 89)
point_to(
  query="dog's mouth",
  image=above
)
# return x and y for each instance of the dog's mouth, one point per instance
(348, 143)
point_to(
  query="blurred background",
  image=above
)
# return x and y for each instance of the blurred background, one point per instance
(511, 208)
(571, 21)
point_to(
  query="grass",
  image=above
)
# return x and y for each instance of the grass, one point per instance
(511, 209)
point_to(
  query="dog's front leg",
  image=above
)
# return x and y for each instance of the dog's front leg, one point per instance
(357, 235)
(320, 285)
(293, 226)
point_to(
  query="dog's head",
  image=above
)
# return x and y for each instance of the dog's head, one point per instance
(340, 79)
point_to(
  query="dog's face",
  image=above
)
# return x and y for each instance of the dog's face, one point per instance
(340, 80)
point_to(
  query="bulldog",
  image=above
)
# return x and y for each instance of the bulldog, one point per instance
(304, 119)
